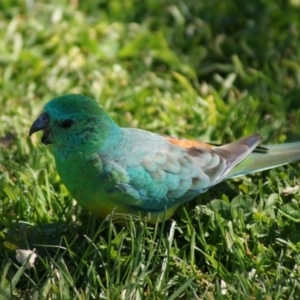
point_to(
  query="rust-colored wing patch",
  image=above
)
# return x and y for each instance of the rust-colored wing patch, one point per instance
(187, 143)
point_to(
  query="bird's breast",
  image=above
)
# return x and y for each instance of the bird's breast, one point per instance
(88, 182)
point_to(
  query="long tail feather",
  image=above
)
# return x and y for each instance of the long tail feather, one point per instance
(268, 157)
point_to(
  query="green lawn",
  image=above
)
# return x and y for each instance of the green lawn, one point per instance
(209, 70)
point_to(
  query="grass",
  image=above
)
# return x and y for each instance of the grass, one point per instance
(210, 70)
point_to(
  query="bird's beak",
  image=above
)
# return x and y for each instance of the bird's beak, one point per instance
(41, 123)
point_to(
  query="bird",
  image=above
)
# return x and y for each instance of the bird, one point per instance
(129, 171)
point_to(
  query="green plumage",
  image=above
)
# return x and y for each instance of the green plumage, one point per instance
(108, 168)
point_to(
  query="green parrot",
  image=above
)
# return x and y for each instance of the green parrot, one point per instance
(132, 171)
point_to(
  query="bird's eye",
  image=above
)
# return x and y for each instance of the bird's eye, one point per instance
(66, 123)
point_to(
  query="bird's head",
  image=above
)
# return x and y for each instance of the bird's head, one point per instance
(73, 121)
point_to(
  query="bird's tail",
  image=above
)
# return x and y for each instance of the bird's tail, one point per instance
(267, 157)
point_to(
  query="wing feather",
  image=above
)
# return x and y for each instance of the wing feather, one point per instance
(168, 171)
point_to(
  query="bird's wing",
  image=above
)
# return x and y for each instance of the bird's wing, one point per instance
(160, 172)
(232, 154)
